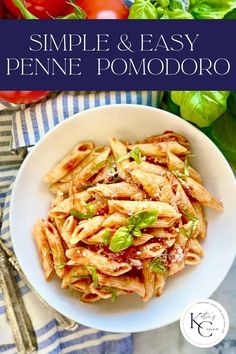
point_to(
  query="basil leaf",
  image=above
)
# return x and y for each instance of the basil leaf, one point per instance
(143, 10)
(106, 237)
(177, 4)
(231, 15)
(210, 9)
(135, 154)
(201, 107)
(121, 240)
(157, 266)
(185, 232)
(136, 232)
(223, 134)
(143, 219)
(83, 216)
(177, 14)
(186, 170)
(94, 274)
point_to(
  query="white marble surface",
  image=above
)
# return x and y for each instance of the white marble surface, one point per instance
(169, 340)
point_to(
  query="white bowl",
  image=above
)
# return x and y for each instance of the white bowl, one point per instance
(30, 200)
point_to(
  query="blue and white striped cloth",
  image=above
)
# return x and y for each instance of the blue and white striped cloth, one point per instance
(21, 127)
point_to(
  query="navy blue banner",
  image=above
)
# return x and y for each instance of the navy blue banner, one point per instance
(117, 55)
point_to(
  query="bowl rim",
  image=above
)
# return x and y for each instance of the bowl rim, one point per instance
(80, 116)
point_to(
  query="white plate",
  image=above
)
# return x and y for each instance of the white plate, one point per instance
(30, 200)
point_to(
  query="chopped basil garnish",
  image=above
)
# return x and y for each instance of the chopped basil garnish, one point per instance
(106, 237)
(136, 154)
(157, 266)
(123, 237)
(60, 266)
(112, 290)
(93, 271)
(187, 232)
(186, 167)
(83, 216)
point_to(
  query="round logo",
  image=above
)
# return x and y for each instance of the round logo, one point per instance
(204, 323)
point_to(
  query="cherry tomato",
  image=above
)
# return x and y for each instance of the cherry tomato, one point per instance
(103, 9)
(23, 96)
(39, 8)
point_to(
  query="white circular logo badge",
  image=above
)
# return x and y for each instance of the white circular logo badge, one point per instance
(204, 323)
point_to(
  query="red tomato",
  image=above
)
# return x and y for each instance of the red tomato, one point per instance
(39, 8)
(2, 12)
(23, 96)
(103, 9)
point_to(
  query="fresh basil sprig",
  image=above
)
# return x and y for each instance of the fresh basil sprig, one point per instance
(157, 266)
(124, 236)
(136, 154)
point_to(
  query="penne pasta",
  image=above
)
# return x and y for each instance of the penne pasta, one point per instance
(80, 180)
(197, 191)
(117, 190)
(150, 182)
(160, 149)
(148, 167)
(82, 256)
(58, 254)
(123, 282)
(43, 249)
(86, 228)
(123, 217)
(132, 207)
(119, 150)
(176, 164)
(149, 280)
(69, 162)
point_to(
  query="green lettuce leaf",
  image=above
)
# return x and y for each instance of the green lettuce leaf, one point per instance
(201, 107)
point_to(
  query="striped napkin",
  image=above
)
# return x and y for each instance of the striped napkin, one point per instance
(20, 128)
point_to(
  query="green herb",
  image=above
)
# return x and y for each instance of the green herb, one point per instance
(186, 167)
(143, 219)
(223, 130)
(231, 15)
(94, 274)
(106, 237)
(178, 175)
(123, 237)
(210, 9)
(157, 266)
(136, 154)
(143, 10)
(187, 232)
(83, 216)
(78, 11)
(112, 290)
(121, 240)
(60, 266)
(201, 107)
